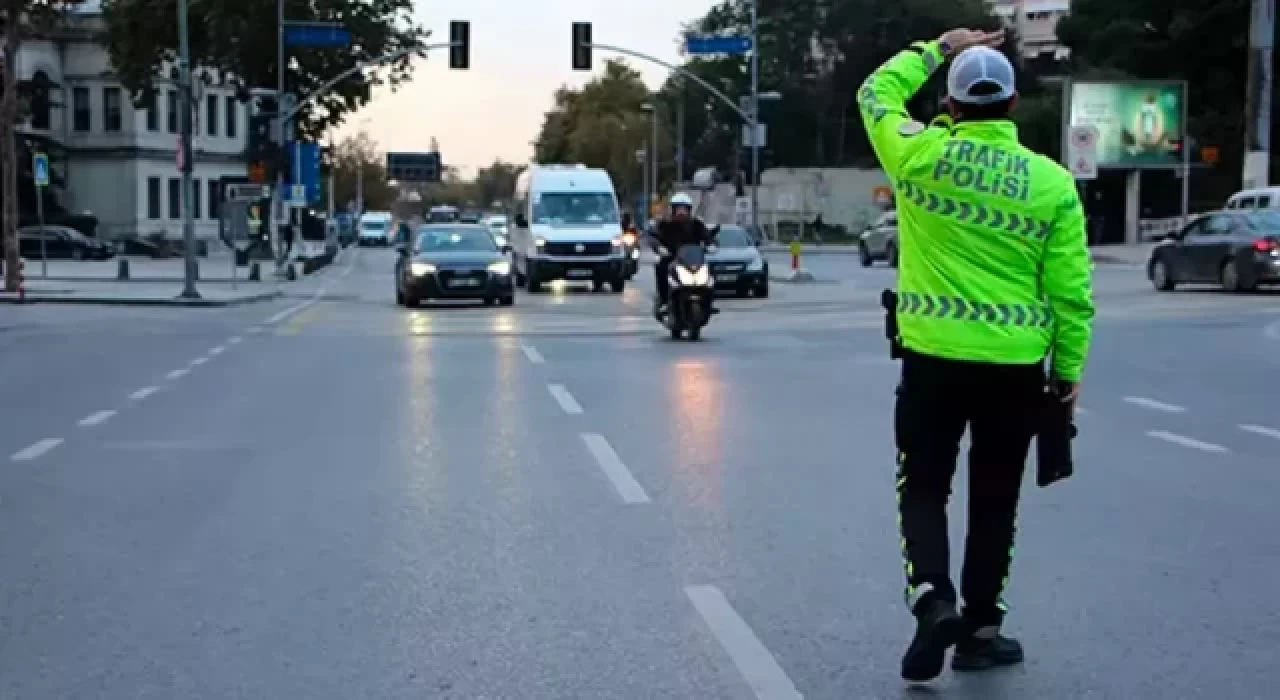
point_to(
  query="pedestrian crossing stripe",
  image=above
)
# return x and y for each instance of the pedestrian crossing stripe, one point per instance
(959, 309)
(980, 214)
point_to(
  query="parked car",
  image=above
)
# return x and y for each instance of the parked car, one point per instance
(880, 241)
(1236, 250)
(61, 242)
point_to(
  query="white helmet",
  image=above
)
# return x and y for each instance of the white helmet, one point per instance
(681, 200)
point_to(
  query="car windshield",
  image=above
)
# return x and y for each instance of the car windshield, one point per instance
(1262, 221)
(454, 239)
(733, 237)
(576, 208)
(373, 225)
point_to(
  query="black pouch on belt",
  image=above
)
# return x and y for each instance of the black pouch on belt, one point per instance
(1053, 442)
(889, 302)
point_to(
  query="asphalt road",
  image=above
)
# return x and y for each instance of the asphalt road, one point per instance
(332, 497)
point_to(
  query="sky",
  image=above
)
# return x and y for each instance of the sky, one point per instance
(520, 54)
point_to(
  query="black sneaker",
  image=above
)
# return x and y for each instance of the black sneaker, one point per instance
(938, 628)
(975, 653)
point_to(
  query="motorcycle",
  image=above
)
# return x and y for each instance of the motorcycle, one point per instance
(692, 293)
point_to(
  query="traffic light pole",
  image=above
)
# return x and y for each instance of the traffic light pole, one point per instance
(745, 114)
(188, 186)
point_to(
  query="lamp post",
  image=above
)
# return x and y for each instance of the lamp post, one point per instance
(185, 152)
(651, 184)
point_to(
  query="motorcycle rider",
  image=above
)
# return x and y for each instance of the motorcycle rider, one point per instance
(680, 228)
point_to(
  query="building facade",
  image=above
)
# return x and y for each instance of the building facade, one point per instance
(119, 161)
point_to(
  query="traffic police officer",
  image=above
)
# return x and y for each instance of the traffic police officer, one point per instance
(994, 277)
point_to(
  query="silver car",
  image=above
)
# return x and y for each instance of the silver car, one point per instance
(880, 241)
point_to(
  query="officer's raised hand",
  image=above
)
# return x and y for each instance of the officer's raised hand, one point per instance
(957, 40)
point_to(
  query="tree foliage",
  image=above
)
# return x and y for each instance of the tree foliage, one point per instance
(353, 157)
(240, 39)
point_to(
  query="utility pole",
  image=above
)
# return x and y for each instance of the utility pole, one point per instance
(280, 135)
(755, 117)
(1257, 144)
(680, 134)
(185, 153)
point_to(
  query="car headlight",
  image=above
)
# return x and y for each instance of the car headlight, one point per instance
(629, 239)
(541, 242)
(419, 269)
(500, 268)
(756, 264)
(699, 277)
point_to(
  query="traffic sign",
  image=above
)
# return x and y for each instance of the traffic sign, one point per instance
(298, 195)
(414, 167)
(319, 36)
(1082, 152)
(247, 192)
(40, 169)
(305, 157)
(705, 45)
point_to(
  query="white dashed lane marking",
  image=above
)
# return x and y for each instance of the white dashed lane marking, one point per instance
(35, 450)
(1153, 404)
(1185, 441)
(532, 353)
(1261, 430)
(96, 418)
(611, 464)
(755, 662)
(562, 396)
(177, 374)
(143, 393)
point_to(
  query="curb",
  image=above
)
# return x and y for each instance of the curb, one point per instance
(145, 301)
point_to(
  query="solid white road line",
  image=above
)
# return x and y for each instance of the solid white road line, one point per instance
(1153, 404)
(612, 466)
(565, 399)
(199, 361)
(143, 393)
(1186, 441)
(217, 350)
(234, 340)
(177, 374)
(532, 353)
(1261, 430)
(34, 450)
(756, 664)
(96, 418)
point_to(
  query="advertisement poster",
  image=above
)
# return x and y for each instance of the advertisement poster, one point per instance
(1140, 124)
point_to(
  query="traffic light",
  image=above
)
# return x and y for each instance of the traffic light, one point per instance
(459, 45)
(582, 46)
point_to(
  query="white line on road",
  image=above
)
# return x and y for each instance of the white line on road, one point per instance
(96, 418)
(143, 393)
(1153, 404)
(756, 664)
(234, 340)
(256, 329)
(565, 399)
(177, 374)
(1261, 430)
(612, 466)
(199, 361)
(217, 350)
(1185, 441)
(286, 313)
(532, 353)
(34, 450)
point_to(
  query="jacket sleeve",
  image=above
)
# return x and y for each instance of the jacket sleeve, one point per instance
(883, 97)
(1066, 278)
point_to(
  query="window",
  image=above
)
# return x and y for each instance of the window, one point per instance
(173, 111)
(175, 198)
(1246, 203)
(80, 108)
(1264, 202)
(576, 208)
(153, 198)
(153, 112)
(211, 114)
(232, 112)
(112, 117)
(1216, 225)
(40, 105)
(215, 199)
(195, 199)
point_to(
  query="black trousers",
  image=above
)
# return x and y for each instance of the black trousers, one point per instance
(661, 270)
(999, 405)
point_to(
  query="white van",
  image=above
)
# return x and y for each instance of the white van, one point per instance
(567, 227)
(1260, 198)
(375, 229)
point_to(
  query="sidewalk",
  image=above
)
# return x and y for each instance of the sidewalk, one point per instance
(150, 293)
(141, 269)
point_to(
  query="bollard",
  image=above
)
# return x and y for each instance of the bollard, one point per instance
(290, 273)
(22, 280)
(122, 269)
(255, 272)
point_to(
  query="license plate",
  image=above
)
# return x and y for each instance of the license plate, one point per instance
(579, 274)
(726, 278)
(464, 282)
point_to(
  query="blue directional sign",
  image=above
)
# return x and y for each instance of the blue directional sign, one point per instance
(705, 45)
(306, 168)
(40, 169)
(316, 36)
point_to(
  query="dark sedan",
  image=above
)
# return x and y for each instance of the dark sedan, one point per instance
(61, 242)
(453, 261)
(738, 265)
(1238, 251)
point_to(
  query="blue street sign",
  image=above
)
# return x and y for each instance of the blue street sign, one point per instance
(40, 169)
(306, 168)
(316, 36)
(704, 45)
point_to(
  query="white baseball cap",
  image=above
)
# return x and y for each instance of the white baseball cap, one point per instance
(981, 76)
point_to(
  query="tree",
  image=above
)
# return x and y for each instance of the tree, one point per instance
(602, 125)
(496, 183)
(352, 157)
(240, 39)
(21, 19)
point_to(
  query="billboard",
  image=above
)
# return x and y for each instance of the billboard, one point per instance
(1140, 124)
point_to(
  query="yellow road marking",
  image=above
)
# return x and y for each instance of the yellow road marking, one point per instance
(302, 319)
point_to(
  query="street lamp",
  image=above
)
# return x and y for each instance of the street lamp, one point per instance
(651, 182)
(185, 152)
